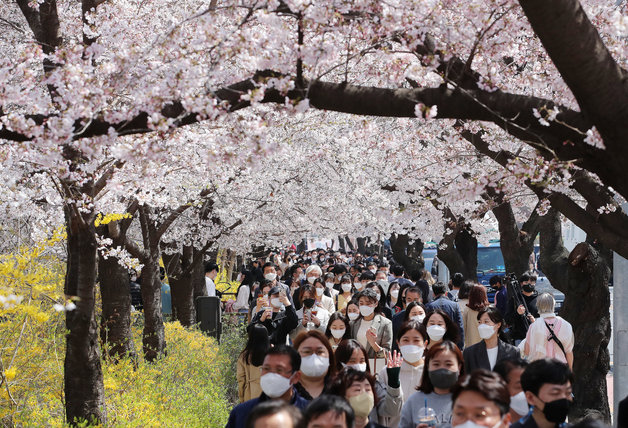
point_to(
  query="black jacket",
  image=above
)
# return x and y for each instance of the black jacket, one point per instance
(476, 357)
(516, 322)
(281, 323)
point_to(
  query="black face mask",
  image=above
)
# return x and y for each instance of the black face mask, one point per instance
(556, 411)
(308, 303)
(528, 288)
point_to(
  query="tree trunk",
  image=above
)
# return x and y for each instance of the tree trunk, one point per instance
(153, 337)
(349, 243)
(181, 285)
(341, 243)
(361, 245)
(459, 251)
(516, 244)
(83, 380)
(583, 277)
(115, 324)
(409, 255)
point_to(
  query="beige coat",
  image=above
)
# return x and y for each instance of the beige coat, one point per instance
(470, 324)
(383, 327)
(248, 380)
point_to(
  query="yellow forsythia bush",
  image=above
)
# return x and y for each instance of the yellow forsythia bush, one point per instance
(186, 388)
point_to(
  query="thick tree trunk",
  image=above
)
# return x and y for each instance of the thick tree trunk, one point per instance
(409, 255)
(115, 324)
(341, 243)
(582, 276)
(516, 244)
(181, 285)
(153, 337)
(349, 243)
(459, 251)
(361, 245)
(83, 380)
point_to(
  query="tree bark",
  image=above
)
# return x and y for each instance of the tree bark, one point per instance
(459, 248)
(153, 336)
(181, 285)
(83, 380)
(115, 324)
(582, 276)
(409, 255)
(516, 243)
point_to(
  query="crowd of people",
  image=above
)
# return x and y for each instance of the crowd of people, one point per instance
(338, 339)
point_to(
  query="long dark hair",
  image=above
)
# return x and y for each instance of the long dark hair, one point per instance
(257, 345)
(345, 350)
(452, 331)
(338, 316)
(426, 384)
(381, 303)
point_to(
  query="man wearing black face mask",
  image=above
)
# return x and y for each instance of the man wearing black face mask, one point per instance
(515, 315)
(547, 386)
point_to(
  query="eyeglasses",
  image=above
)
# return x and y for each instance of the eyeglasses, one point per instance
(279, 371)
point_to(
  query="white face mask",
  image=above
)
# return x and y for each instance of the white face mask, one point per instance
(353, 316)
(373, 270)
(366, 310)
(270, 276)
(311, 279)
(486, 331)
(470, 424)
(378, 296)
(519, 404)
(338, 333)
(383, 283)
(418, 318)
(411, 353)
(359, 285)
(394, 293)
(361, 367)
(436, 332)
(346, 287)
(275, 302)
(329, 284)
(301, 277)
(319, 291)
(314, 366)
(274, 385)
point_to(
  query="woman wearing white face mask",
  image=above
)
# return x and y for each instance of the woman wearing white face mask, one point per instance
(392, 297)
(480, 400)
(318, 363)
(338, 329)
(353, 310)
(485, 354)
(411, 339)
(350, 354)
(323, 299)
(381, 301)
(414, 311)
(330, 281)
(344, 297)
(371, 329)
(440, 328)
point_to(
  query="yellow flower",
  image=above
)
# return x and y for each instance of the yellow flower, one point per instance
(9, 374)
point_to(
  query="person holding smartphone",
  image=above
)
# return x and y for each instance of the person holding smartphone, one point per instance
(279, 318)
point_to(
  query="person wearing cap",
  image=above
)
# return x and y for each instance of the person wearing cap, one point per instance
(279, 318)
